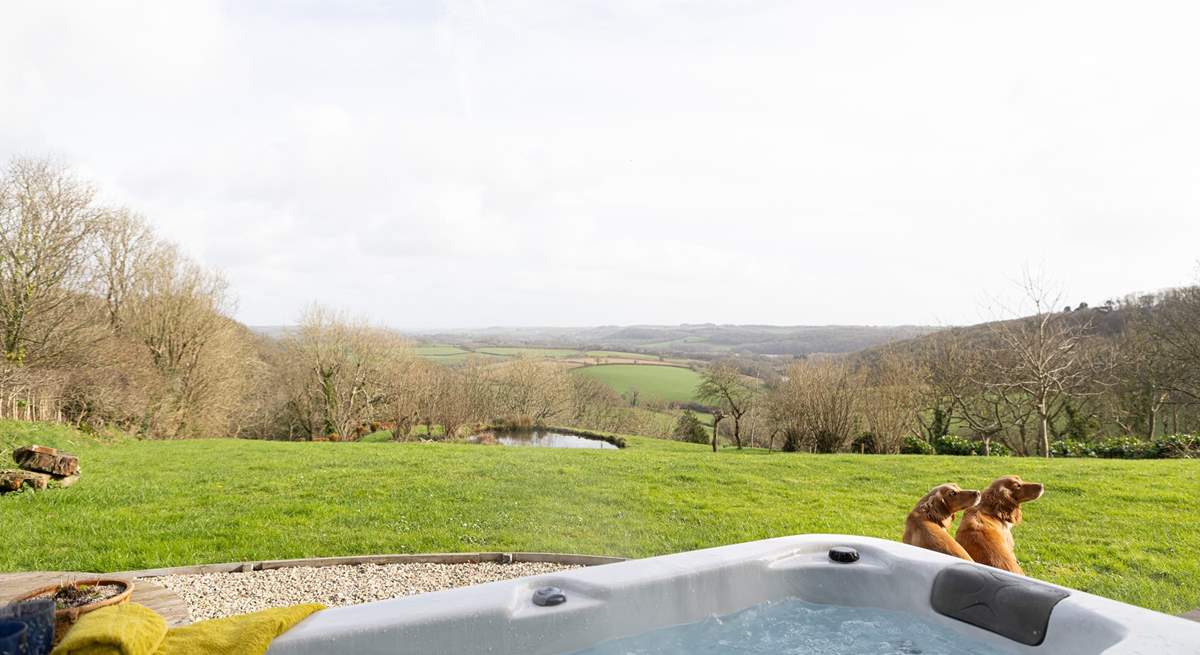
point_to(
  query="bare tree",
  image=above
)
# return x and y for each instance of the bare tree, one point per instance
(954, 390)
(594, 405)
(338, 371)
(724, 384)
(179, 314)
(816, 405)
(461, 396)
(408, 381)
(891, 400)
(47, 221)
(718, 416)
(125, 248)
(1177, 330)
(758, 428)
(1044, 358)
(535, 390)
(1158, 355)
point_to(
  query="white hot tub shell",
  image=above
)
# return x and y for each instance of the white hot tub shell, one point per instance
(637, 596)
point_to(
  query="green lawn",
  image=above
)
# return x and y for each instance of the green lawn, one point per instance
(1123, 529)
(667, 383)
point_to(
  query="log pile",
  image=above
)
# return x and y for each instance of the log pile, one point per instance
(13, 480)
(40, 465)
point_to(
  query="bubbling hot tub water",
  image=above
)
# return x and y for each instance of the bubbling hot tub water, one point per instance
(794, 627)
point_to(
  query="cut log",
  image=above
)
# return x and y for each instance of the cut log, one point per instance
(64, 480)
(13, 480)
(46, 460)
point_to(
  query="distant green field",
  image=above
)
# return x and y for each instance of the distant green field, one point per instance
(617, 354)
(662, 344)
(507, 351)
(666, 383)
(464, 356)
(437, 351)
(682, 342)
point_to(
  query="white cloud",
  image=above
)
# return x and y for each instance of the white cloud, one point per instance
(471, 163)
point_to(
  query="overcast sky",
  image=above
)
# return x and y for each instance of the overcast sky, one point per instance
(581, 163)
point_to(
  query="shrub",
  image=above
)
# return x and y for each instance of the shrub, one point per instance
(791, 441)
(1175, 446)
(511, 423)
(689, 428)
(1127, 448)
(865, 443)
(1072, 448)
(694, 406)
(954, 445)
(916, 446)
(950, 444)
(1179, 446)
(997, 449)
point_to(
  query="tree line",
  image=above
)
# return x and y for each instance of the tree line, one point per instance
(1053, 382)
(104, 323)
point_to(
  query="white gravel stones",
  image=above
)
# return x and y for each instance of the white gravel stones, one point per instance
(213, 595)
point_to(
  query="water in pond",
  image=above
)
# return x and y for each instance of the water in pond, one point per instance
(795, 627)
(544, 439)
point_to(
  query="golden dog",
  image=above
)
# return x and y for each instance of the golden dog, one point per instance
(927, 525)
(986, 529)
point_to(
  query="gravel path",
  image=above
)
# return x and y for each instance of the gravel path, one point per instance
(213, 595)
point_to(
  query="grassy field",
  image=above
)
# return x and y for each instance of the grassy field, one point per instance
(465, 357)
(1123, 529)
(617, 354)
(667, 383)
(507, 351)
(437, 351)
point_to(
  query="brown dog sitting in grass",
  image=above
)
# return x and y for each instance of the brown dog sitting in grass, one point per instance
(986, 529)
(928, 522)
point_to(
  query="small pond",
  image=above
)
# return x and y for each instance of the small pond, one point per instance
(541, 439)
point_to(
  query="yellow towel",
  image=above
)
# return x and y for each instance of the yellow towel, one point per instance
(246, 634)
(133, 629)
(127, 629)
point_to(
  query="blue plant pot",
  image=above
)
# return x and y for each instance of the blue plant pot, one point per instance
(14, 638)
(38, 618)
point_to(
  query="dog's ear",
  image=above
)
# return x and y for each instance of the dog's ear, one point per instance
(940, 504)
(998, 501)
(936, 507)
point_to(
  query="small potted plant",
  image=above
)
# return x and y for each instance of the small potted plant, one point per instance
(78, 597)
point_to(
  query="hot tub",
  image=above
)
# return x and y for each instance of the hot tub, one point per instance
(854, 577)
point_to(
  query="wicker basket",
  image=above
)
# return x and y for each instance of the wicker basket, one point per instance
(66, 617)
